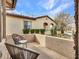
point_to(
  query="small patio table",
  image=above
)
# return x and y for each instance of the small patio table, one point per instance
(23, 43)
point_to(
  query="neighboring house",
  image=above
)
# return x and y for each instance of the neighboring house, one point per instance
(16, 23)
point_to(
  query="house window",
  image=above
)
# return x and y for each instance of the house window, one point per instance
(27, 25)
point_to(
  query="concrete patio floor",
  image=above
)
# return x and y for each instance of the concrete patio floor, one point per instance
(45, 53)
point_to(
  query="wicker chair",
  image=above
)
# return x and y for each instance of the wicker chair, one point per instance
(17, 38)
(20, 53)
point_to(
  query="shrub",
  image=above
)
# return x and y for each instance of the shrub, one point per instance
(54, 31)
(25, 31)
(42, 31)
(36, 30)
(32, 30)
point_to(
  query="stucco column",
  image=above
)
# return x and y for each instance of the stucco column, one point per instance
(0, 23)
(4, 18)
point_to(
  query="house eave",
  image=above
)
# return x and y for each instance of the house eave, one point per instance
(10, 4)
(29, 17)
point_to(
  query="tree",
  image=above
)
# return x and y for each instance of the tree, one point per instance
(62, 21)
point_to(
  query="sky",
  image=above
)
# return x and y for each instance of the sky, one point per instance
(44, 7)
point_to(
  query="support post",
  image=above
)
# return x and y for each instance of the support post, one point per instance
(76, 34)
(4, 18)
(0, 23)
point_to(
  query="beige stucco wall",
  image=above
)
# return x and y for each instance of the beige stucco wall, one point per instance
(60, 45)
(41, 39)
(1, 27)
(29, 37)
(38, 24)
(16, 24)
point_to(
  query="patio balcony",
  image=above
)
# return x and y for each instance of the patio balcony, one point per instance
(48, 47)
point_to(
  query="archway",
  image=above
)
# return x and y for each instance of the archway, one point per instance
(45, 25)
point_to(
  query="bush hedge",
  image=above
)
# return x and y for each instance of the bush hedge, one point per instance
(42, 31)
(26, 31)
(37, 30)
(32, 31)
(54, 31)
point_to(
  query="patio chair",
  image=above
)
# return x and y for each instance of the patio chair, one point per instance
(20, 53)
(17, 38)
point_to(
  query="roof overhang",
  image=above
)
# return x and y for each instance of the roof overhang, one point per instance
(28, 17)
(11, 4)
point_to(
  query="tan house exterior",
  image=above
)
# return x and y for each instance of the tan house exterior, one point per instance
(5, 5)
(15, 23)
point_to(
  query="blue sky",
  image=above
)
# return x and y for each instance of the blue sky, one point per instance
(44, 7)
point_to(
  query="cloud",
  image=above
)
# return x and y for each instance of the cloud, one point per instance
(60, 8)
(50, 7)
(17, 12)
(47, 4)
(13, 11)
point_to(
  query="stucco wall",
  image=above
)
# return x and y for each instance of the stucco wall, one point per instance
(13, 25)
(60, 45)
(16, 24)
(38, 24)
(41, 39)
(1, 27)
(28, 37)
